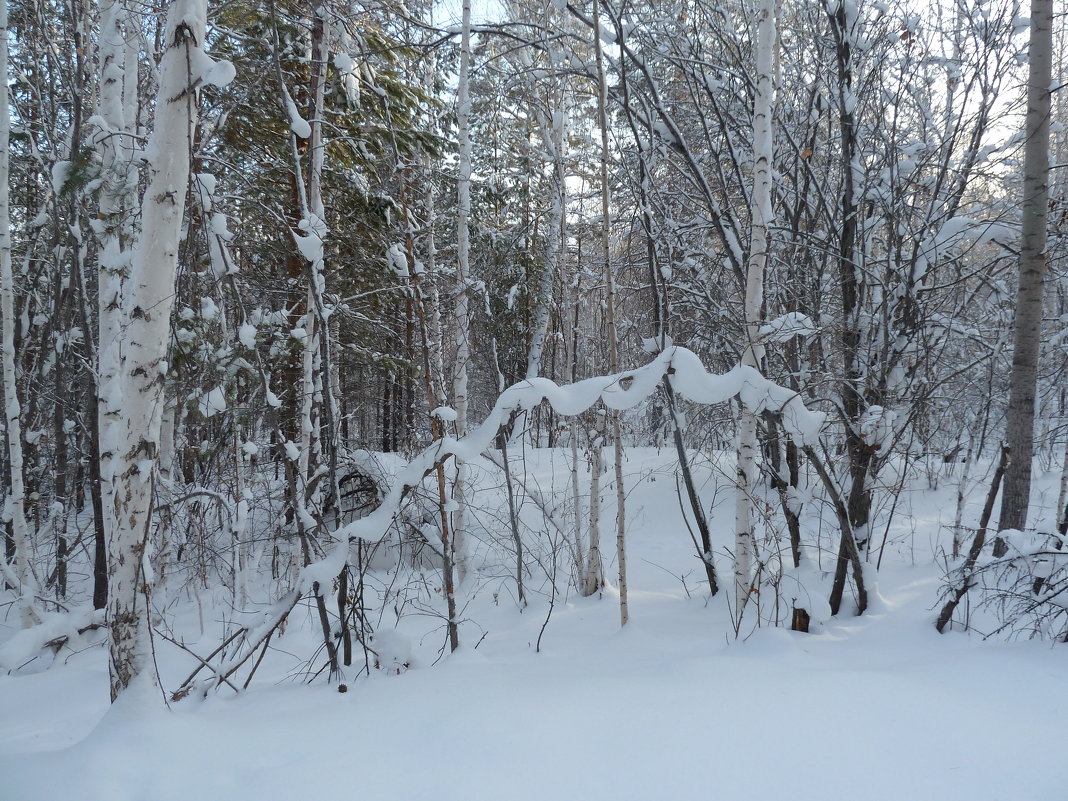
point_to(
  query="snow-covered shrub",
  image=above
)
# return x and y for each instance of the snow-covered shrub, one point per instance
(1021, 594)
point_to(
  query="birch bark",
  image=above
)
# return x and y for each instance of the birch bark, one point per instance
(461, 310)
(754, 299)
(610, 317)
(115, 141)
(552, 131)
(22, 577)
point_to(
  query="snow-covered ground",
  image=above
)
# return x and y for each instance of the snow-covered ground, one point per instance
(671, 707)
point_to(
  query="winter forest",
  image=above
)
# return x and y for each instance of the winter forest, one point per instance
(584, 398)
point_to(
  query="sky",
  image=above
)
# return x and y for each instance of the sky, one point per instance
(448, 12)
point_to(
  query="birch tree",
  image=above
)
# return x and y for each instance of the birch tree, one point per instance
(22, 577)
(146, 333)
(116, 142)
(610, 315)
(754, 298)
(456, 550)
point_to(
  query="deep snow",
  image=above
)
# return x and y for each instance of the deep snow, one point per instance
(672, 707)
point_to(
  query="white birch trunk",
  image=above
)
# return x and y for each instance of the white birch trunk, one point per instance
(754, 299)
(1062, 495)
(434, 334)
(551, 129)
(320, 383)
(593, 577)
(144, 345)
(22, 577)
(115, 141)
(576, 493)
(461, 311)
(309, 240)
(578, 552)
(962, 490)
(305, 462)
(239, 532)
(610, 316)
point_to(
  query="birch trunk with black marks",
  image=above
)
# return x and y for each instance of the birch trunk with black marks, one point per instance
(144, 343)
(610, 316)
(116, 142)
(752, 355)
(19, 575)
(461, 309)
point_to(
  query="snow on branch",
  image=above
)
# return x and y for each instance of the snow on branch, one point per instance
(624, 390)
(786, 327)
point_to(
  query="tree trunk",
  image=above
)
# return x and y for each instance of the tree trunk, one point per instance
(117, 108)
(752, 355)
(610, 316)
(21, 577)
(1020, 419)
(593, 576)
(461, 311)
(146, 315)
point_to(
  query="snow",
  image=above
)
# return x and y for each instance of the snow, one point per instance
(871, 708)
(446, 413)
(619, 392)
(28, 642)
(310, 244)
(397, 260)
(246, 334)
(208, 309)
(220, 226)
(219, 74)
(213, 402)
(60, 175)
(207, 183)
(300, 126)
(785, 328)
(956, 230)
(653, 345)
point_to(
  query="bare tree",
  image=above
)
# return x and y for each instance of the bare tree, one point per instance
(22, 579)
(1027, 326)
(144, 344)
(754, 296)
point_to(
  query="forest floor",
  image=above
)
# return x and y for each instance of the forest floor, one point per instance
(673, 706)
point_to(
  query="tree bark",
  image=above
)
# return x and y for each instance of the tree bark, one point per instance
(1027, 325)
(146, 317)
(851, 280)
(610, 316)
(21, 577)
(752, 355)
(461, 311)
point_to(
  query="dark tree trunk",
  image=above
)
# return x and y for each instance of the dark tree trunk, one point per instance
(1020, 420)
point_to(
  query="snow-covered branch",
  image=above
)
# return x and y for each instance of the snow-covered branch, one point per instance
(625, 390)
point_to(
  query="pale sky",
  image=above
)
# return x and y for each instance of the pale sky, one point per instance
(448, 12)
